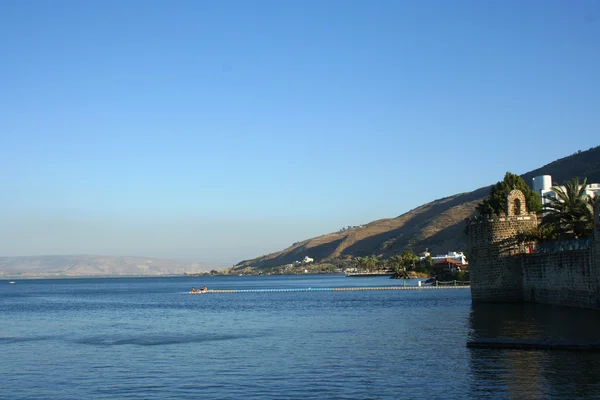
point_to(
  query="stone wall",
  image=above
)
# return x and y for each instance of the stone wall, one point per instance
(499, 272)
(568, 278)
(597, 235)
(496, 272)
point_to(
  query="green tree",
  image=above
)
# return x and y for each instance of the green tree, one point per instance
(368, 264)
(373, 263)
(541, 233)
(495, 203)
(359, 263)
(571, 213)
(395, 264)
(426, 264)
(409, 259)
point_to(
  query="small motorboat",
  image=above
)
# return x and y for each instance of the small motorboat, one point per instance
(198, 291)
(12, 282)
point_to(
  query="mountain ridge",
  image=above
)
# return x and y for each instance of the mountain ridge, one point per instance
(95, 265)
(437, 225)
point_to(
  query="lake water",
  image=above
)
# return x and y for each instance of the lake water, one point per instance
(147, 338)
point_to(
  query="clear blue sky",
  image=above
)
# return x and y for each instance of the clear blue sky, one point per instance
(218, 131)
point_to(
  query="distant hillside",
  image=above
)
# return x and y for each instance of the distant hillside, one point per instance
(89, 265)
(438, 225)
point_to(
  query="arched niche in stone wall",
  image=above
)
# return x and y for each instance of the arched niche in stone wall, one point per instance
(515, 203)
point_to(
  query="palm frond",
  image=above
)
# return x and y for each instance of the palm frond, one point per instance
(570, 213)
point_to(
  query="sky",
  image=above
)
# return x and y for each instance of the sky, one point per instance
(217, 131)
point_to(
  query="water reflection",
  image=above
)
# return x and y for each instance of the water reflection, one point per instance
(534, 373)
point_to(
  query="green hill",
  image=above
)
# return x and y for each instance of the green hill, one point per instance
(438, 225)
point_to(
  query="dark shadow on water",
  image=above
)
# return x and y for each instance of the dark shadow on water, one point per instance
(155, 340)
(8, 340)
(504, 373)
(531, 320)
(332, 331)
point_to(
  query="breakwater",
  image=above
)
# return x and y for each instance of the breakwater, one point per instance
(347, 289)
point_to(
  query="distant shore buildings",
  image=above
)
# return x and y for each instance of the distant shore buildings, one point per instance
(542, 185)
(305, 260)
(455, 256)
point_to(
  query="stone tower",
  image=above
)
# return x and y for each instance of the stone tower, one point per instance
(494, 263)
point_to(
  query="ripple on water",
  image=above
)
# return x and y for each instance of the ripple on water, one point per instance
(141, 338)
(18, 339)
(155, 339)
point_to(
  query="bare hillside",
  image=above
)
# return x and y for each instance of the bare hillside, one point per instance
(438, 225)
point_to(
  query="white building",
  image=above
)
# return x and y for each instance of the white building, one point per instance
(543, 186)
(452, 255)
(307, 260)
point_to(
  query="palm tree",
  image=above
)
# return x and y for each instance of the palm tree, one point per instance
(372, 263)
(570, 212)
(409, 259)
(360, 263)
(396, 264)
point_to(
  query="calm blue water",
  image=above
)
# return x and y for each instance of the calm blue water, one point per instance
(147, 338)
